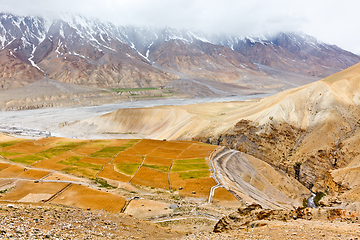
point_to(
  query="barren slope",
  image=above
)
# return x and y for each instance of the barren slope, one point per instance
(310, 132)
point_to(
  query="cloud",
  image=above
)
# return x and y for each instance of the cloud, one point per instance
(330, 21)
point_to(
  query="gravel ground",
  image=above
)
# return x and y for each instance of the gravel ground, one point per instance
(21, 221)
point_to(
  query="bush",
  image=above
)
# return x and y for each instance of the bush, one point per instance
(318, 197)
(305, 203)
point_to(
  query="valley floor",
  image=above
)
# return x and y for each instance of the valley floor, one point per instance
(39, 122)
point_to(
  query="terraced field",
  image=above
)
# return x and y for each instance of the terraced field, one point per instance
(60, 170)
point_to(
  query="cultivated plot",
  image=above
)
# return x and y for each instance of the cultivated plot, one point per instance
(152, 163)
(84, 197)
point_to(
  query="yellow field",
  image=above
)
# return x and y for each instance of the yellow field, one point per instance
(177, 145)
(118, 142)
(83, 197)
(50, 164)
(201, 186)
(89, 172)
(12, 172)
(47, 141)
(144, 147)
(110, 173)
(100, 161)
(158, 161)
(151, 178)
(55, 162)
(153, 163)
(62, 177)
(4, 165)
(86, 150)
(221, 194)
(128, 158)
(166, 152)
(34, 174)
(29, 188)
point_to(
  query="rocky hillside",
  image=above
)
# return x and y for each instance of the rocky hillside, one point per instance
(77, 50)
(297, 53)
(310, 132)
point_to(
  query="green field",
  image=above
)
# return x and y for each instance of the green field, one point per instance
(190, 161)
(107, 152)
(127, 168)
(10, 143)
(29, 159)
(131, 89)
(59, 149)
(96, 167)
(70, 160)
(189, 167)
(161, 168)
(194, 174)
(89, 163)
(8, 154)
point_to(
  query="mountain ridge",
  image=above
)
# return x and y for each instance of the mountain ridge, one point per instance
(77, 50)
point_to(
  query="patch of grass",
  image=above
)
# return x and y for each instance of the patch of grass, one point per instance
(305, 203)
(131, 89)
(29, 159)
(188, 167)
(52, 152)
(130, 143)
(190, 161)
(156, 96)
(111, 152)
(194, 174)
(98, 143)
(10, 143)
(60, 149)
(157, 167)
(318, 197)
(92, 166)
(81, 171)
(70, 145)
(127, 168)
(207, 144)
(103, 183)
(107, 152)
(7, 154)
(6, 190)
(70, 160)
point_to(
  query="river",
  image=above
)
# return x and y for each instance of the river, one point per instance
(30, 122)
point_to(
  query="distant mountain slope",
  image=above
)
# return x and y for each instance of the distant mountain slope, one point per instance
(298, 53)
(77, 50)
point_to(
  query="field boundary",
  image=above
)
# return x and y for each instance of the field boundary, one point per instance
(172, 163)
(58, 193)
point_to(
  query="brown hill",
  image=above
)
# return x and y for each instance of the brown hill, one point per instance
(310, 132)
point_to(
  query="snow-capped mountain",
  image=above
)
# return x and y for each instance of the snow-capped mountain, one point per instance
(78, 50)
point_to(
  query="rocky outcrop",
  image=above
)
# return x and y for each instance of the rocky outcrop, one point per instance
(310, 132)
(255, 216)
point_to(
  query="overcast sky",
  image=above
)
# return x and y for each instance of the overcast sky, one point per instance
(332, 21)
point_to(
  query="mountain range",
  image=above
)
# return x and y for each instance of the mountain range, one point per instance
(77, 50)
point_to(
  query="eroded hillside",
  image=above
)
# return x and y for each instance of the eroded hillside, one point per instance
(309, 132)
